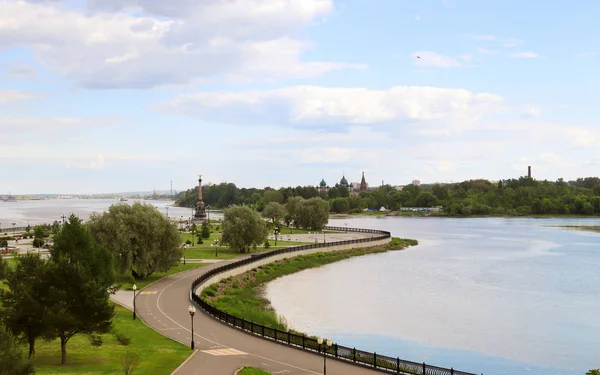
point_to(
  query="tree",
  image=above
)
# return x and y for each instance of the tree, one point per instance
(80, 276)
(11, 357)
(3, 268)
(55, 227)
(293, 206)
(274, 211)
(23, 304)
(139, 237)
(205, 230)
(313, 213)
(28, 229)
(243, 228)
(130, 361)
(593, 372)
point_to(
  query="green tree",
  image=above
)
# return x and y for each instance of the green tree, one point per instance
(313, 213)
(28, 229)
(23, 304)
(292, 207)
(205, 233)
(3, 268)
(11, 357)
(55, 227)
(243, 228)
(274, 211)
(80, 276)
(593, 372)
(140, 238)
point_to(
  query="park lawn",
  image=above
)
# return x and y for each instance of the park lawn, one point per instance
(126, 281)
(247, 370)
(206, 242)
(208, 252)
(160, 355)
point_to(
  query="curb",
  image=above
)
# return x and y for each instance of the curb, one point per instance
(186, 361)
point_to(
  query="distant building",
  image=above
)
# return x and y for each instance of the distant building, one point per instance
(353, 188)
(416, 182)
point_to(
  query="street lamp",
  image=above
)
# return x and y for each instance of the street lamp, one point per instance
(134, 289)
(192, 311)
(324, 235)
(167, 211)
(324, 345)
(216, 243)
(346, 224)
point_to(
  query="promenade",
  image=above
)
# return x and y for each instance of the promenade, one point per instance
(221, 349)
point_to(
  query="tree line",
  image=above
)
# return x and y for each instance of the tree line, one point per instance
(68, 293)
(521, 196)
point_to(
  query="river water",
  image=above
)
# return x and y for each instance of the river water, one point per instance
(46, 211)
(485, 295)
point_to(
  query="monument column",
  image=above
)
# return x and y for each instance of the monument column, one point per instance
(200, 214)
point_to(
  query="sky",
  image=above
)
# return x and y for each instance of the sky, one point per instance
(128, 95)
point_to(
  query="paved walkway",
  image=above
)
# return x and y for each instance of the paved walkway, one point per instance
(221, 348)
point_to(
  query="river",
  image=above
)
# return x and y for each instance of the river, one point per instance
(34, 212)
(486, 295)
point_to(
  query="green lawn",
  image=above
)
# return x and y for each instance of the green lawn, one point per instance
(126, 282)
(159, 355)
(247, 370)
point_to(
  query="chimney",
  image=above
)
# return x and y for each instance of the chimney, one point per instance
(529, 171)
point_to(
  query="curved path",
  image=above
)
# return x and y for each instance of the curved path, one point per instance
(222, 349)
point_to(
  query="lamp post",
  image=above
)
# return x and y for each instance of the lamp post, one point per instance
(324, 345)
(167, 211)
(324, 235)
(192, 311)
(276, 233)
(134, 289)
(346, 224)
(63, 217)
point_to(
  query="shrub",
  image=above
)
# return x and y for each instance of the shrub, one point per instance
(95, 340)
(267, 244)
(188, 242)
(122, 338)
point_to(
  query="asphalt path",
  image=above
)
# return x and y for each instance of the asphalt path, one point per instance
(220, 348)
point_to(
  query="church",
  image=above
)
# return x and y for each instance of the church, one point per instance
(353, 188)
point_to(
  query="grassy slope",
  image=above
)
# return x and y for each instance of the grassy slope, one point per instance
(247, 370)
(240, 295)
(159, 354)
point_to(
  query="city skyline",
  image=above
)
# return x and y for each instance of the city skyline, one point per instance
(128, 95)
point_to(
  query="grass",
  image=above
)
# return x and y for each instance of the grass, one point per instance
(247, 370)
(588, 228)
(127, 281)
(159, 354)
(241, 295)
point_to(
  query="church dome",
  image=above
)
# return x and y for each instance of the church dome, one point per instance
(323, 183)
(343, 181)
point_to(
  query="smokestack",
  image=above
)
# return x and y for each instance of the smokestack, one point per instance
(529, 171)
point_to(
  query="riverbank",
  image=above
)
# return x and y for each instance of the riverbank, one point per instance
(242, 295)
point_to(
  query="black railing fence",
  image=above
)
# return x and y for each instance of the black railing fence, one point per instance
(340, 352)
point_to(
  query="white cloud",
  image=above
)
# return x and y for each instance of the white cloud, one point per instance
(432, 59)
(505, 42)
(532, 111)
(485, 37)
(171, 42)
(525, 55)
(16, 95)
(484, 51)
(319, 106)
(466, 57)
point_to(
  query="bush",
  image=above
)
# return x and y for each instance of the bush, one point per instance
(95, 340)
(200, 241)
(267, 244)
(188, 242)
(122, 338)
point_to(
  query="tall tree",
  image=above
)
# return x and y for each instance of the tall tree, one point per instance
(313, 213)
(141, 239)
(243, 228)
(80, 275)
(274, 211)
(11, 357)
(23, 305)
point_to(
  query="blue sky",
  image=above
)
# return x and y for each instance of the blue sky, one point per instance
(122, 95)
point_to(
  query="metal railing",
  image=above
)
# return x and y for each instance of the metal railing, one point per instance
(340, 352)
